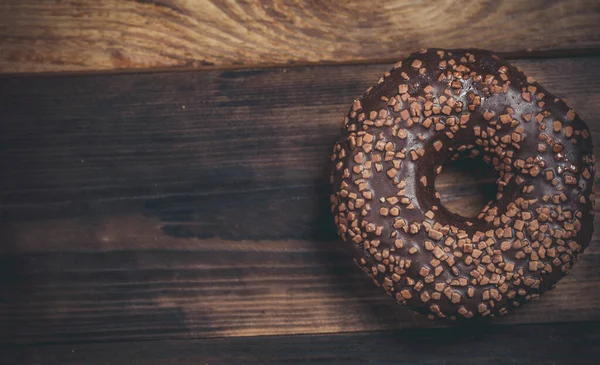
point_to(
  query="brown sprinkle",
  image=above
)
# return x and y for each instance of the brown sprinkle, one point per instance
(416, 64)
(436, 235)
(556, 126)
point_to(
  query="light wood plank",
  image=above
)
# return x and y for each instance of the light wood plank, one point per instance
(39, 35)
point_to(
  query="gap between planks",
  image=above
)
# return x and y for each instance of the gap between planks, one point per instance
(549, 54)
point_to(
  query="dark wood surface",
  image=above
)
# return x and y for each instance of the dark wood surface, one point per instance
(140, 210)
(194, 204)
(574, 343)
(41, 35)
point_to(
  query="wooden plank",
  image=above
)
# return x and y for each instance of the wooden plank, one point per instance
(561, 343)
(37, 35)
(194, 204)
(75, 144)
(174, 287)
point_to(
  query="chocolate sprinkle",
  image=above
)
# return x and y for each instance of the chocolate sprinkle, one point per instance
(386, 207)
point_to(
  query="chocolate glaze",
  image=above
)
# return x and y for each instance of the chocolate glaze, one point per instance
(439, 105)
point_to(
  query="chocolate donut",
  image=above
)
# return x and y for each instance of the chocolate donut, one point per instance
(440, 105)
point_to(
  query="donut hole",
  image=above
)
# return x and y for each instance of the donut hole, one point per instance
(466, 186)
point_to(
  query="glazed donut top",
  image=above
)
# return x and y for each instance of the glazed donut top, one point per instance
(440, 105)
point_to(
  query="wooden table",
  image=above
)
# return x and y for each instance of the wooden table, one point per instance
(163, 182)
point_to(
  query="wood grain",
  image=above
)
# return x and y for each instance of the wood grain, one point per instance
(555, 344)
(194, 204)
(170, 287)
(76, 145)
(38, 35)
